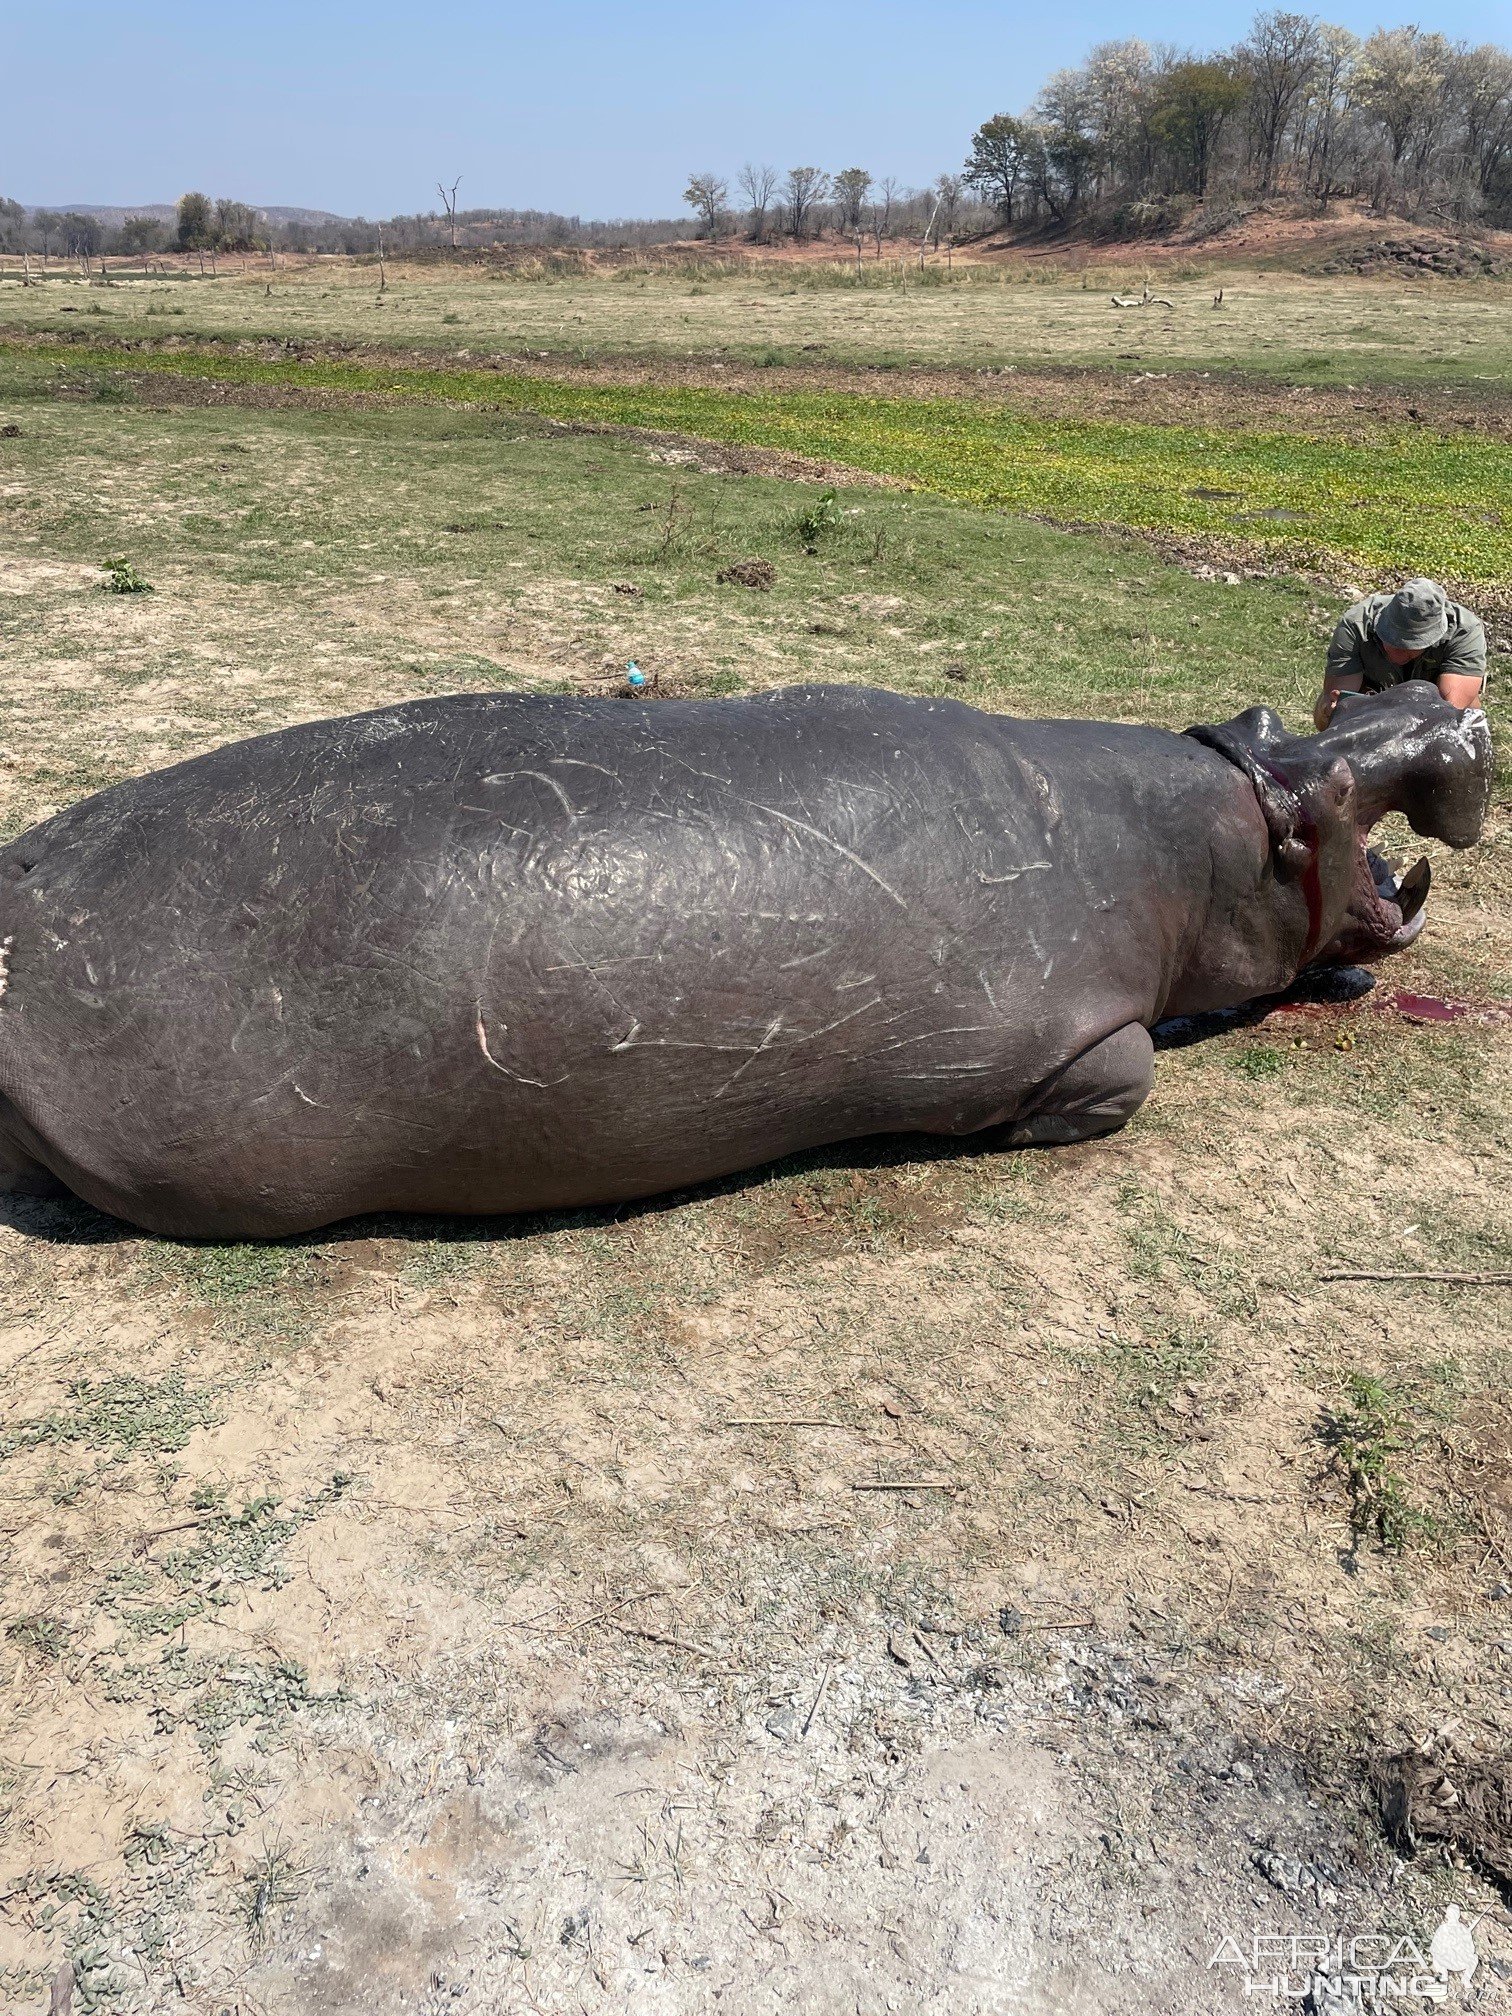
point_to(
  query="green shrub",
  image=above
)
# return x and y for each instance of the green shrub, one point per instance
(121, 578)
(818, 521)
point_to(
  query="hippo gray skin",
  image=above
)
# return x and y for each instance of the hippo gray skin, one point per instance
(503, 953)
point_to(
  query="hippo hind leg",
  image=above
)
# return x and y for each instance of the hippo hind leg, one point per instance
(1093, 1094)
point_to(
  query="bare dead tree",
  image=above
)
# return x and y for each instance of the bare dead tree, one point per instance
(758, 185)
(449, 204)
(881, 209)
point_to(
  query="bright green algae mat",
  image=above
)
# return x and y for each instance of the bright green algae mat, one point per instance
(1393, 502)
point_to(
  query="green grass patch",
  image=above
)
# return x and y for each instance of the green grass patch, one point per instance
(224, 1275)
(1396, 502)
(1257, 1061)
(124, 1413)
(1367, 1438)
(35, 1632)
(232, 1550)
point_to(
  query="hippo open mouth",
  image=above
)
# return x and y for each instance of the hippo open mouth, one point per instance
(1385, 914)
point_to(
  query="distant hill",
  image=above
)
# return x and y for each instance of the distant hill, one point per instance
(115, 214)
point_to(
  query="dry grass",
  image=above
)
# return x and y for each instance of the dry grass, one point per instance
(1330, 330)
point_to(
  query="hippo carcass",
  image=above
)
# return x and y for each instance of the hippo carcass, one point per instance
(498, 953)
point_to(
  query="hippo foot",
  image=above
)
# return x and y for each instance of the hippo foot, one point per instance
(1096, 1093)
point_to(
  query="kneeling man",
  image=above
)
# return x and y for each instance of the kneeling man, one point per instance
(1418, 633)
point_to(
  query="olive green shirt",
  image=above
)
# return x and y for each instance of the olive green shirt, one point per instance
(1462, 650)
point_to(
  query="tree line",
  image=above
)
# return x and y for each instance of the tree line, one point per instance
(208, 227)
(1136, 134)
(200, 225)
(809, 202)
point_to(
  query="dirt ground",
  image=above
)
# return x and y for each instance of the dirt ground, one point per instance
(910, 1578)
(907, 1581)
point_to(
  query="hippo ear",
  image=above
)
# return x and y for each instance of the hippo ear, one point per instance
(1260, 727)
(1278, 802)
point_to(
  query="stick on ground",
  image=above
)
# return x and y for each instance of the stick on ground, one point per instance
(779, 1421)
(818, 1700)
(911, 1484)
(1455, 1280)
(663, 1638)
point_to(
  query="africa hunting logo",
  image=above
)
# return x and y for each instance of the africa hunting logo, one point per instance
(1326, 1970)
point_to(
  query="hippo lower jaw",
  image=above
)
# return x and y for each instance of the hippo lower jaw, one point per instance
(1385, 915)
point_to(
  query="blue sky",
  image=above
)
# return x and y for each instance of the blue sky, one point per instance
(580, 106)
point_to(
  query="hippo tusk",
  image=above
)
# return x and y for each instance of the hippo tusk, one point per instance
(1412, 890)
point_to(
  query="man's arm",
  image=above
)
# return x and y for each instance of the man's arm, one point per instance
(1342, 672)
(1462, 676)
(1461, 689)
(1335, 683)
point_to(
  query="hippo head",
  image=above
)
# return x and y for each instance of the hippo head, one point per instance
(1405, 750)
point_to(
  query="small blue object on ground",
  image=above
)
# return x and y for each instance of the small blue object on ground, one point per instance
(634, 677)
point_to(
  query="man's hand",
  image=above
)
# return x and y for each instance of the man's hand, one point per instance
(1335, 684)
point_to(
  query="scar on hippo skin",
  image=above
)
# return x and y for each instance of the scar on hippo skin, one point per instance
(1046, 797)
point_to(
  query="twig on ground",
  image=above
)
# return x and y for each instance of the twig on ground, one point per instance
(145, 1540)
(598, 1616)
(911, 1484)
(1457, 1280)
(818, 1701)
(778, 1421)
(664, 1638)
